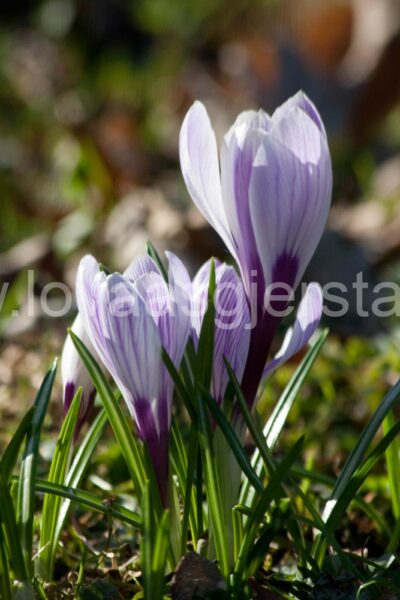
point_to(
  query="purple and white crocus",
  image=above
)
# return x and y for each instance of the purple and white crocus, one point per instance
(129, 318)
(268, 197)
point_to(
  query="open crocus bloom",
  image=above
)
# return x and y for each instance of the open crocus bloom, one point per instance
(74, 374)
(129, 318)
(232, 322)
(269, 201)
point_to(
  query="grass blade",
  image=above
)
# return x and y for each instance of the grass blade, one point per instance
(90, 500)
(269, 494)
(79, 465)
(26, 488)
(147, 542)
(160, 553)
(276, 421)
(371, 512)
(10, 455)
(155, 541)
(393, 470)
(393, 465)
(51, 505)
(354, 461)
(355, 458)
(213, 491)
(205, 352)
(190, 507)
(5, 579)
(348, 492)
(152, 252)
(8, 524)
(280, 413)
(234, 443)
(359, 477)
(271, 466)
(179, 385)
(86, 449)
(184, 465)
(255, 431)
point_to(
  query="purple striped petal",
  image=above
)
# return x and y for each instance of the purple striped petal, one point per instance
(156, 298)
(307, 320)
(238, 153)
(301, 135)
(232, 319)
(180, 289)
(130, 341)
(290, 192)
(169, 304)
(140, 266)
(302, 101)
(123, 333)
(200, 170)
(154, 292)
(232, 329)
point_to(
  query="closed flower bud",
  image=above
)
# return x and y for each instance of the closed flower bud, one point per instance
(74, 374)
(268, 197)
(129, 319)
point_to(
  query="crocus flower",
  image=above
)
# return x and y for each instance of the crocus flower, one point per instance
(232, 322)
(269, 201)
(74, 374)
(129, 318)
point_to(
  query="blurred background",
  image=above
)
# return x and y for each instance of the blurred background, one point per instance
(92, 95)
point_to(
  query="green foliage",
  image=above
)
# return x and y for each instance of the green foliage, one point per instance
(26, 484)
(155, 543)
(51, 505)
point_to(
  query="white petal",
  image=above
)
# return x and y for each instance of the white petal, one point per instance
(231, 337)
(73, 371)
(248, 119)
(124, 335)
(300, 134)
(157, 300)
(180, 287)
(200, 170)
(302, 101)
(199, 297)
(307, 320)
(129, 340)
(179, 281)
(88, 279)
(232, 333)
(139, 266)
